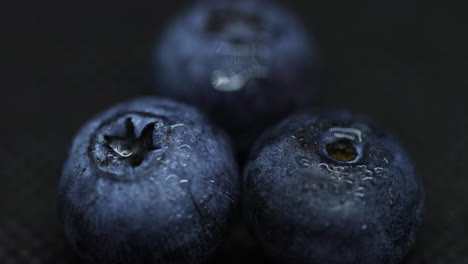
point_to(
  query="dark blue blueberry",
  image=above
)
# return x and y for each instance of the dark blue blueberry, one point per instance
(245, 63)
(332, 187)
(148, 181)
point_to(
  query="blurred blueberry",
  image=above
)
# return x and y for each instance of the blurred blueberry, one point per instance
(332, 187)
(245, 63)
(147, 181)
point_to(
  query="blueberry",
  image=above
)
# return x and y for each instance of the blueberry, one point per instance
(148, 181)
(245, 63)
(332, 187)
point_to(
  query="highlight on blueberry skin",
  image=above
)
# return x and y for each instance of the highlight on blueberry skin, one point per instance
(147, 181)
(246, 63)
(332, 187)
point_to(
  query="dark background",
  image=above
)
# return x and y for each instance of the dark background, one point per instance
(402, 62)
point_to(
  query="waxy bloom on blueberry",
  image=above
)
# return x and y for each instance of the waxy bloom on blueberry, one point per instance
(245, 63)
(148, 181)
(332, 187)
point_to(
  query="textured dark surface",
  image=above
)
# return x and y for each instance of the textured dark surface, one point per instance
(402, 62)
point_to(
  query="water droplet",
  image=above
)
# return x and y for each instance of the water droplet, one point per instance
(170, 176)
(185, 146)
(349, 181)
(348, 133)
(290, 171)
(303, 162)
(326, 166)
(121, 151)
(358, 194)
(367, 178)
(176, 125)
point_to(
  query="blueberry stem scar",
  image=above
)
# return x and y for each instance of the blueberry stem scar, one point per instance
(342, 150)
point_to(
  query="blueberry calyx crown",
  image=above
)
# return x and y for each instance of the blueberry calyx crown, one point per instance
(131, 147)
(127, 140)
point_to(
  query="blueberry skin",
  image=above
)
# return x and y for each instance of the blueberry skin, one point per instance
(332, 187)
(246, 63)
(147, 181)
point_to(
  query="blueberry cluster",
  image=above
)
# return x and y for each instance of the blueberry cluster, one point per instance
(156, 179)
